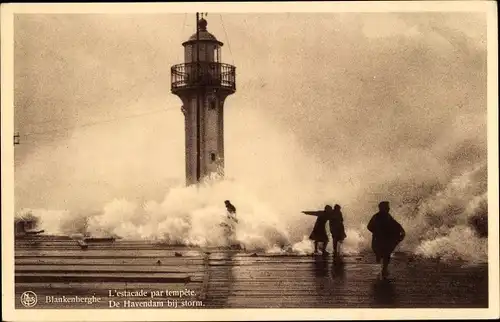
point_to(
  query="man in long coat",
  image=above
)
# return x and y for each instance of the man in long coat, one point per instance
(387, 233)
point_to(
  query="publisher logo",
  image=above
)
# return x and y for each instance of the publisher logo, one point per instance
(29, 299)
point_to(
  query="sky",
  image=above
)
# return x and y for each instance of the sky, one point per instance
(353, 106)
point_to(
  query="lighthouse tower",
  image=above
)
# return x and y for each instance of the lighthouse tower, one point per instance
(203, 82)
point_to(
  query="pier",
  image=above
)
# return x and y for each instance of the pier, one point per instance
(220, 278)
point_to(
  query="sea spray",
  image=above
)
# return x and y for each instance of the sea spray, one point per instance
(192, 216)
(459, 242)
(438, 225)
(55, 222)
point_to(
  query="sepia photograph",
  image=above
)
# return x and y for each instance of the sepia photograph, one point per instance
(274, 157)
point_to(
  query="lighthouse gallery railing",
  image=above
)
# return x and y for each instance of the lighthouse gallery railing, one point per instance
(203, 74)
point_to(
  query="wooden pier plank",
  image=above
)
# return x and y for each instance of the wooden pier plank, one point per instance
(223, 278)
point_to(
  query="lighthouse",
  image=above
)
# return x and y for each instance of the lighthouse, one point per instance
(203, 83)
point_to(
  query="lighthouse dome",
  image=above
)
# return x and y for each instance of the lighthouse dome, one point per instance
(203, 34)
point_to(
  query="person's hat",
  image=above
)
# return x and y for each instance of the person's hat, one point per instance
(383, 204)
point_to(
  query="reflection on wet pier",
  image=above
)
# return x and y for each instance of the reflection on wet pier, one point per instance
(234, 279)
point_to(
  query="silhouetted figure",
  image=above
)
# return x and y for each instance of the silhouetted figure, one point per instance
(387, 233)
(230, 223)
(337, 229)
(231, 212)
(230, 207)
(318, 233)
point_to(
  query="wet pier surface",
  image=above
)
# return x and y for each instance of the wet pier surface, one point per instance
(62, 275)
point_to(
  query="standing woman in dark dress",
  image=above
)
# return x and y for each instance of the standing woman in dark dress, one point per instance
(319, 231)
(337, 229)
